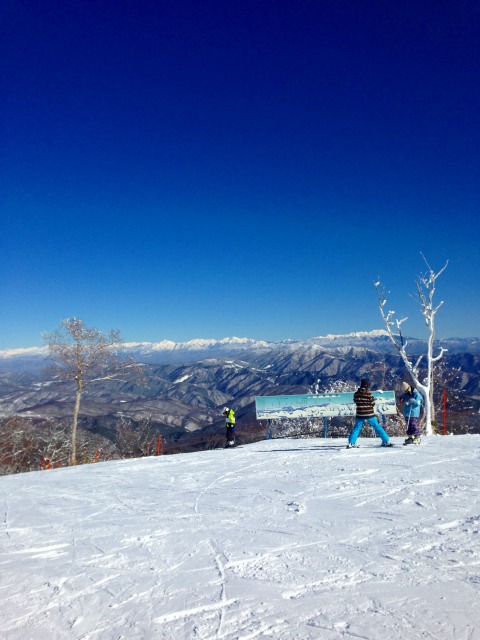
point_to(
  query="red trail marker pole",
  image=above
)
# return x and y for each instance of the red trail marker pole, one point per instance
(444, 412)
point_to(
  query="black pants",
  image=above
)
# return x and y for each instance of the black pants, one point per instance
(230, 434)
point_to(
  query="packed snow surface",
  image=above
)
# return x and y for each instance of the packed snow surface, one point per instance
(284, 539)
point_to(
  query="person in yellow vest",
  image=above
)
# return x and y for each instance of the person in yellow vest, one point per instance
(230, 427)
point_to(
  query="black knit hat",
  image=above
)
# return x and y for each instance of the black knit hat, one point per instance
(365, 383)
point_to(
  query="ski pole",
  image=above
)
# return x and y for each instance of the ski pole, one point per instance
(408, 420)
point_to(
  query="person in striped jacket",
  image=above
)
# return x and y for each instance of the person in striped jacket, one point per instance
(365, 404)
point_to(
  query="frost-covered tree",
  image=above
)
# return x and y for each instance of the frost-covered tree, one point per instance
(425, 290)
(84, 356)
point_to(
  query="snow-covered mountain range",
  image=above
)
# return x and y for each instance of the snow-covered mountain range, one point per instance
(168, 351)
(202, 375)
(187, 385)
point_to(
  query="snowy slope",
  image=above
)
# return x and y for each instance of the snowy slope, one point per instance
(283, 539)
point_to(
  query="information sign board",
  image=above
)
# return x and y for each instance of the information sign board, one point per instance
(319, 406)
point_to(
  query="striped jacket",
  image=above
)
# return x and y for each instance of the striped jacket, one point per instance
(365, 403)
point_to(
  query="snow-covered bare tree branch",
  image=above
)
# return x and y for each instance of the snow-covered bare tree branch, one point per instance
(425, 290)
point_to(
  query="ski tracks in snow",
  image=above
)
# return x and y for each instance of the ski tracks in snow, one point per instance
(224, 476)
(223, 588)
(277, 540)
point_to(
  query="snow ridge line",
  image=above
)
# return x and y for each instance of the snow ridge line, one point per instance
(177, 615)
(221, 571)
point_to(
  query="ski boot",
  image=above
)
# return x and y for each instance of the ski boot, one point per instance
(352, 446)
(387, 444)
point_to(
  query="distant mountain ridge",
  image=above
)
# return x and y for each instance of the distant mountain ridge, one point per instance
(187, 384)
(168, 351)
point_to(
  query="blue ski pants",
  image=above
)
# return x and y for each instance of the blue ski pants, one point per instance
(373, 422)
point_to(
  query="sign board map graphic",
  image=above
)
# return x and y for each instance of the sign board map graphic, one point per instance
(327, 405)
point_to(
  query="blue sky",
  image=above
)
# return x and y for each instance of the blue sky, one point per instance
(179, 169)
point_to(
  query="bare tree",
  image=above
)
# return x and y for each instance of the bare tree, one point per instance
(84, 356)
(19, 451)
(136, 440)
(29, 444)
(425, 290)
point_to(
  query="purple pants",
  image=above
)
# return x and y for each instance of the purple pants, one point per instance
(412, 426)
